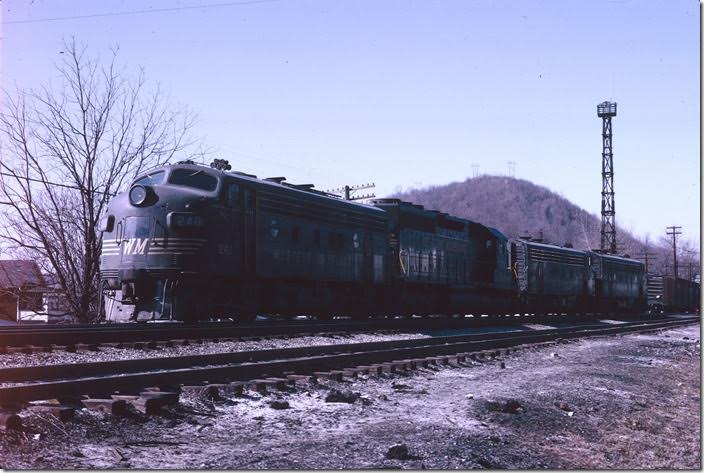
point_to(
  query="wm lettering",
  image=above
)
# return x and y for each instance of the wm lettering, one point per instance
(135, 246)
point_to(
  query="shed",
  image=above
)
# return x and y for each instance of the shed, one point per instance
(22, 287)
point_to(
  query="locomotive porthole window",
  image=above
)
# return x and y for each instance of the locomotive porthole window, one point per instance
(274, 229)
(355, 240)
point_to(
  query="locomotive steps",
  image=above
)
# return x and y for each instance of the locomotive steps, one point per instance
(149, 384)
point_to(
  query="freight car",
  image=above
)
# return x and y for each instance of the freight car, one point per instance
(189, 242)
(669, 294)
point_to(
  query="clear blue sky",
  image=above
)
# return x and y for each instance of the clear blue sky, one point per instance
(411, 93)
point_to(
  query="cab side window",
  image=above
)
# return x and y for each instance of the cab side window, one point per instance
(233, 196)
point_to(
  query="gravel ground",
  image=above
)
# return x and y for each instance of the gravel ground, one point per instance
(621, 402)
(112, 354)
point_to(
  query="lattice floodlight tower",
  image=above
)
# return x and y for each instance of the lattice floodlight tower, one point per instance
(607, 110)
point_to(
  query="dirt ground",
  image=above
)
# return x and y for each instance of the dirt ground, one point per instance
(621, 402)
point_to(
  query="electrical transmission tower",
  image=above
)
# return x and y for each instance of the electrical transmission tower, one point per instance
(674, 232)
(512, 168)
(605, 111)
(347, 191)
(475, 170)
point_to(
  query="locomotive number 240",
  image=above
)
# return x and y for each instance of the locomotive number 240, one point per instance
(224, 249)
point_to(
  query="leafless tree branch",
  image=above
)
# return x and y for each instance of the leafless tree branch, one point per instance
(93, 132)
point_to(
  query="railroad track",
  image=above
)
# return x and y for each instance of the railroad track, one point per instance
(153, 382)
(33, 338)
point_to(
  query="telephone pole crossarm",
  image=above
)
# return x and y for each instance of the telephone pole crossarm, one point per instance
(347, 191)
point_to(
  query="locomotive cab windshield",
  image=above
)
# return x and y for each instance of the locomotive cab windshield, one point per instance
(197, 179)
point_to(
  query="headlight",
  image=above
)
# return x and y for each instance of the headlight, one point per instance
(138, 194)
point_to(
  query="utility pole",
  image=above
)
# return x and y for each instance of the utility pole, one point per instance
(512, 168)
(347, 191)
(475, 170)
(606, 111)
(690, 266)
(674, 232)
(647, 256)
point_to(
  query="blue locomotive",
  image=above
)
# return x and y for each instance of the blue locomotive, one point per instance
(190, 242)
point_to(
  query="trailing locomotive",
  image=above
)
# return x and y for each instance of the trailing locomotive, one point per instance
(189, 242)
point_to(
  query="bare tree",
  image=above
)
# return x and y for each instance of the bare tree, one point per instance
(66, 149)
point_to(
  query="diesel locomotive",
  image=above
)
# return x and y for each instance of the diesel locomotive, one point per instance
(189, 242)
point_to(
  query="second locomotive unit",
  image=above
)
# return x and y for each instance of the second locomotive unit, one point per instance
(189, 242)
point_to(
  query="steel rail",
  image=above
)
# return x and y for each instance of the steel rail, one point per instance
(129, 333)
(306, 360)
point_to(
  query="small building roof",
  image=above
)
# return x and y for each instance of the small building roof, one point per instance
(20, 274)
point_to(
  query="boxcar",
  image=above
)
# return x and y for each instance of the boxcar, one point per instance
(665, 293)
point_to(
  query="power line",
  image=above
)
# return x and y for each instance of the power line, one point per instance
(40, 181)
(140, 12)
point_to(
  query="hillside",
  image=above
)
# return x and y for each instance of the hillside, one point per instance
(518, 207)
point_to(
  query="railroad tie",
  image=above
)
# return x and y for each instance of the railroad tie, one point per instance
(277, 383)
(10, 421)
(14, 350)
(298, 379)
(257, 385)
(60, 411)
(376, 369)
(366, 369)
(211, 392)
(334, 375)
(149, 402)
(410, 364)
(349, 373)
(442, 360)
(116, 407)
(86, 347)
